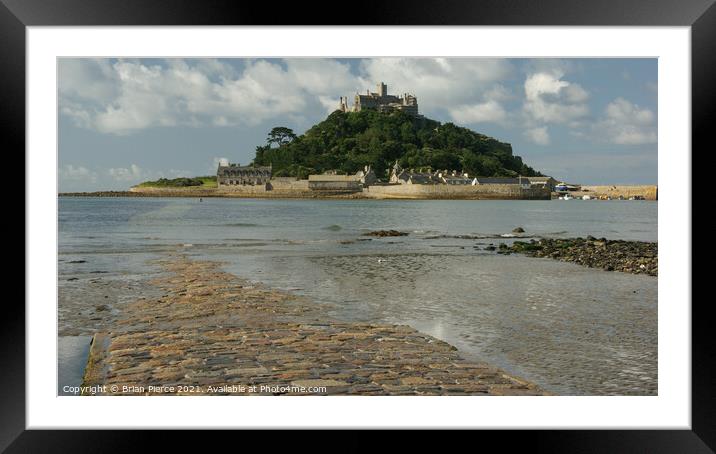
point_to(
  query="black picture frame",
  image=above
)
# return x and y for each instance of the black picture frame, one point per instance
(700, 15)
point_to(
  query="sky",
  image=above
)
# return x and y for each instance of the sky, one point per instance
(124, 121)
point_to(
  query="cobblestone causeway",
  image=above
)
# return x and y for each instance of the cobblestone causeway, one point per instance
(210, 333)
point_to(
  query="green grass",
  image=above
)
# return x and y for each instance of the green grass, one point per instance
(208, 182)
(205, 182)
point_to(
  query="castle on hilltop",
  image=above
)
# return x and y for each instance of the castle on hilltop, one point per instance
(381, 101)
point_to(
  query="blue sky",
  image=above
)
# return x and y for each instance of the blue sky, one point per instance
(123, 121)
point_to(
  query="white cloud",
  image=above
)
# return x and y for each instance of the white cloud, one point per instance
(549, 99)
(439, 82)
(575, 93)
(490, 111)
(73, 173)
(219, 162)
(498, 93)
(625, 123)
(211, 67)
(470, 90)
(87, 79)
(131, 174)
(126, 96)
(329, 103)
(621, 110)
(320, 76)
(540, 84)
(539, 135)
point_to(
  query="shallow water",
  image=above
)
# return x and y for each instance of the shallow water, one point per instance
(571, 329)
(72, 354)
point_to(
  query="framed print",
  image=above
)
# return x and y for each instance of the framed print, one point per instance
(458, 216)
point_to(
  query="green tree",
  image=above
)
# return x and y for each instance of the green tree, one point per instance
(347, 141)
(280, 135)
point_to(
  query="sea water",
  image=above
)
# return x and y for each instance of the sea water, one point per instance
(571, 329)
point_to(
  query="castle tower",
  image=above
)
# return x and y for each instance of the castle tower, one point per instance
(343, 104)
(382, 89)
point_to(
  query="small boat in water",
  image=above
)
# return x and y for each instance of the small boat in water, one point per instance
(566, 197)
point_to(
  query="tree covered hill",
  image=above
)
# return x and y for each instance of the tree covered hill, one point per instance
(348, 141)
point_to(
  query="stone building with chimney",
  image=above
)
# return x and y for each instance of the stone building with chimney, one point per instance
(235, 174)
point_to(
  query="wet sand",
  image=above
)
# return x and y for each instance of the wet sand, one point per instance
(210, 333)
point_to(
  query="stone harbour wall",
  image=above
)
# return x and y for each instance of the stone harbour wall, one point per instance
(646, 191)
(350, 186)
(437, 191)
(288, 188)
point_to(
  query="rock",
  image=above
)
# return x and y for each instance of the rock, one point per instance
(521, 246)
(518, 230)
(610, 255)
(383, 233)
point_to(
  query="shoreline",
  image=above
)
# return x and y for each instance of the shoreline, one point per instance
(214, 194)
(211, 333)
(304, 195)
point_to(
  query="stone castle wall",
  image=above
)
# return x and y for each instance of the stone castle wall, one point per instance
(288, 184)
